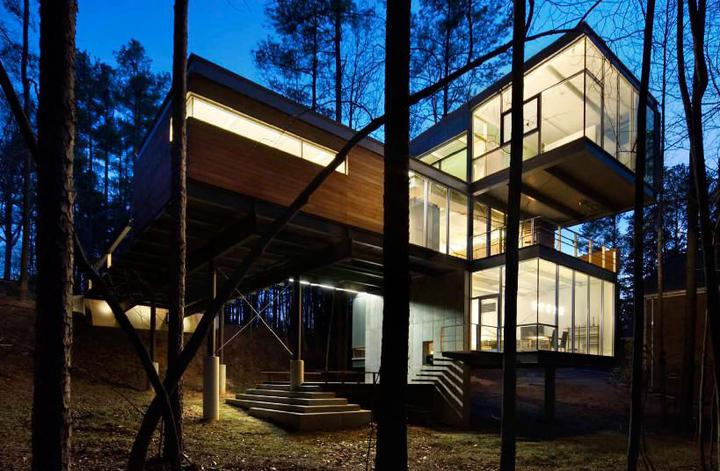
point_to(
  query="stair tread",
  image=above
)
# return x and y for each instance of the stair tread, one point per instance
(293, 400)
(283, 412)
(300, 408)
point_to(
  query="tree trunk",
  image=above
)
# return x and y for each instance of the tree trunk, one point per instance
(8, 234)
(27, 173)
(179, 202)
(509, 393)
(692, 105)
(391, 414)
(337, 42)
(636, 385)
(53, 325)
(687, 374)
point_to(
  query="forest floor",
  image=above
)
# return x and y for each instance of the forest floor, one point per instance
(105, 417)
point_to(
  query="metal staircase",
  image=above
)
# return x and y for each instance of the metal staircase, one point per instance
(452, 385)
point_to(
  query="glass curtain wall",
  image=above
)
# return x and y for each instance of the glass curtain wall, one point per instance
(559, 309)
(438, 217)
(575, 93)
(450, 157)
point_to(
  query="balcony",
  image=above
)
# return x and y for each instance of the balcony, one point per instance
(537, 231)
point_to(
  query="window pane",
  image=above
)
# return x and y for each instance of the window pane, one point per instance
(610, 118)
(580, 315)
(456, 165)
(562, 119)
(486, 282)
(486, 126)
(593, 110)
(608, 330)
(547, 332)
(530, 120)
(480, 229)
(565, 286)
(497, 232)
(458, 224)
(437, 218)
(527, 305)
(417, 210)
(626, 123)
(594, 59)
(595, 315)
(564, 64)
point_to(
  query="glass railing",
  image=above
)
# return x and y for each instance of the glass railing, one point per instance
(537, 231)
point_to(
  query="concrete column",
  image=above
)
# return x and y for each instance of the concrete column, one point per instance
(223, 381)
(297, 367)
(211, 388)
(550, 393)
(211, 365)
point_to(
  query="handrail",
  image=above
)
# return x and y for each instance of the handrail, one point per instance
(539, 231)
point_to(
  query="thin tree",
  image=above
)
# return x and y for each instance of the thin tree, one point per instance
(178, 155)
(693, 107)
(509, 393)
(391, 414)
(27, 170)
(638, 246)
(53, 325)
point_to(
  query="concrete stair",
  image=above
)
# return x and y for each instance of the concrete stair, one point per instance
(306, 409)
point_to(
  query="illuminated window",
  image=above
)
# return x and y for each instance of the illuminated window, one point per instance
(231, 120)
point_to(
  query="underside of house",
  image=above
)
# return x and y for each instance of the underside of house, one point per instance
(252, 151)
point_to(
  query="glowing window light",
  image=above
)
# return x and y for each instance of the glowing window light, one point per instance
(235, 122)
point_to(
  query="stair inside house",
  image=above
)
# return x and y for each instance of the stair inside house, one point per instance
(307, 408)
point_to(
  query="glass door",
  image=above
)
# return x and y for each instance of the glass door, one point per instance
(485, 323)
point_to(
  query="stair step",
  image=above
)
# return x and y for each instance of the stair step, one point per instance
(278, 392)
(329, 401)
(313, 421)
(248, 403)
(286, 387)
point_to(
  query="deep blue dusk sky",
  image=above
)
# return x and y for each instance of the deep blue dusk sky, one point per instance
(224, 31)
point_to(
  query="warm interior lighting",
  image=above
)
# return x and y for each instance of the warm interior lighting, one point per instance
(238, 123)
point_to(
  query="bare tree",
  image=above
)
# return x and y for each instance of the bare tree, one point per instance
(27, 170)
(53, 326)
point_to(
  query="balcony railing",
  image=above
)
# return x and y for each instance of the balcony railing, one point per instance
(537, 231)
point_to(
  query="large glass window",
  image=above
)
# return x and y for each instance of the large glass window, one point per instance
(437, 214)
(580, 314)
(581, 94)
(608, 324)
(438, 217)
(238, 123)
(458, 224)
(558, 309)
(565, 308)
(450, 157)
(595, 310)
(480, 230)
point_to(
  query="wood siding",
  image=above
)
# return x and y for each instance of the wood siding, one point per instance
(234, 163)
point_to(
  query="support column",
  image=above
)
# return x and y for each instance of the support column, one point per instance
(297, 366)
(550, 394)
(211, 365)
(153, 337)
(220, 353)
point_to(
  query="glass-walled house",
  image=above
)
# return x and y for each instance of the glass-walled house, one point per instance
(579, 155)
(575, 93)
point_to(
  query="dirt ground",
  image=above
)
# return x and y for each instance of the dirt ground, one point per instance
(589, 434)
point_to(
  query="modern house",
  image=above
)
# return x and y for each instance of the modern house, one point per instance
(251, 151)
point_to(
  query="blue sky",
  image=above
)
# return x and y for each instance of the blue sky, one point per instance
(224, 31)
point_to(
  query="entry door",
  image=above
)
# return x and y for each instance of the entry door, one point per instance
(485, 323)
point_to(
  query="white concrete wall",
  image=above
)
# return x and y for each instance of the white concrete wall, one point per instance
(436, 303)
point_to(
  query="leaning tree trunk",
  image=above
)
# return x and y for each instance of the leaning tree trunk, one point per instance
(638, 248)
(27, 174)
(391, 414)
(338, 6)
(178, 153)
(509, 393)
(53, 325)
